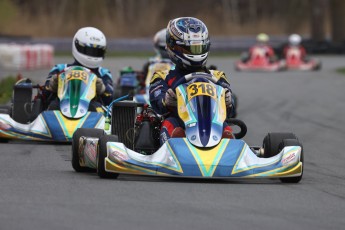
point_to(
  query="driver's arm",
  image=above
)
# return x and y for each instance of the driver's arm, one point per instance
(158, 88)
(222, 81)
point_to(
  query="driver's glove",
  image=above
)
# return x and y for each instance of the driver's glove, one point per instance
(100, 87)
(170, 98)
(53, 83)
(228, 100)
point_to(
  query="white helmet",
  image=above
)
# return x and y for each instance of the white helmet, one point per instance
(295, 39)
(159, 41)
(88, 48)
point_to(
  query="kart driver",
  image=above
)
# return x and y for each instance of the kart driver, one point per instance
(188, 45)
(88, 49)
(295, 45)
(261, 48)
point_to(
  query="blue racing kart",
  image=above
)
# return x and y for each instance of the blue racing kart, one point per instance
(133, 146)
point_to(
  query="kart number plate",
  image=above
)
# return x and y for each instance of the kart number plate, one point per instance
(201, 89)
(77, 74)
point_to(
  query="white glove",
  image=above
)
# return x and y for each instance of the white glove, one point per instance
(170, 98)
(228, 100)
(100, 87)
(53, 83)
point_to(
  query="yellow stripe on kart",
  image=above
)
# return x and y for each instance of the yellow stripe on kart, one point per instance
(208, 160)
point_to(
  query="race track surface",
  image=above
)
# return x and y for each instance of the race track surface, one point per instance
(40, 190)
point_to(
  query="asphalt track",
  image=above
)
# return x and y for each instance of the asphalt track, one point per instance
(40, 190)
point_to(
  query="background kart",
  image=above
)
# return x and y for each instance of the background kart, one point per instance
(259, 62)
(25, 119)
(294, 61)
(281, 155)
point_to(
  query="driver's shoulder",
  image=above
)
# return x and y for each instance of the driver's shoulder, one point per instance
(159, 75)
(218, 74)
(58, 68)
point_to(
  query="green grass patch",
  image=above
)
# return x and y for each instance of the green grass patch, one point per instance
(341, 70)
(6, 88)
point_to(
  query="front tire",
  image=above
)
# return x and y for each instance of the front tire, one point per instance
(83, 132)
(293, 142)
(102, 154)
(272, 143)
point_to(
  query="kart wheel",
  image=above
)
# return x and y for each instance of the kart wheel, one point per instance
(272, 142)
(22, 94)
(292, 142)
(102, 154)
(75, 146)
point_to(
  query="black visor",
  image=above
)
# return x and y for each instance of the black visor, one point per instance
(90, 51)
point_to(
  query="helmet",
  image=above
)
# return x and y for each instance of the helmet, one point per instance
(262, 38)
(295, 39)
(88, 48)
(159, 42)
(188, 42)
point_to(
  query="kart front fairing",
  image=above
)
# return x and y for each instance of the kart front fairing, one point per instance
(229, 159)
(76, 88)
(201, 106)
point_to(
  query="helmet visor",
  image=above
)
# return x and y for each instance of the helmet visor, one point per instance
(93, 51)
(195, 48)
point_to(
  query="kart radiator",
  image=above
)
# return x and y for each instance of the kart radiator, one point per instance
(123, 119)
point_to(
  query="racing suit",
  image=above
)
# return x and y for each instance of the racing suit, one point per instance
(302, 53)
(161, 82)
(259, 50)
(104, 87)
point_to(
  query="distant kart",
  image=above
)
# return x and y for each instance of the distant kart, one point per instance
(203, 153)
(26, 120)
(294, 61)
(259, 62)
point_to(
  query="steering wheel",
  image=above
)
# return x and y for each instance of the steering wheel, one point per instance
(192, 76)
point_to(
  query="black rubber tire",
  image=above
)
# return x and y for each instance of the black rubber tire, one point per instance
(293, 142)
(272, 142)
(75, 146)
(102, 154)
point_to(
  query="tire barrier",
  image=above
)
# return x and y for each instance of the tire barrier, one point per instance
(26, 57)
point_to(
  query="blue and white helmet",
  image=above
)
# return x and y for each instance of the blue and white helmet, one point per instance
(188, 43)
(89, 46)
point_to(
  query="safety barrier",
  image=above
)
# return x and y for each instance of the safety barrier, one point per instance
(26, 57)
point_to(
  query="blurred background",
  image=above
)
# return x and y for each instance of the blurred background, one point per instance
(130, 24)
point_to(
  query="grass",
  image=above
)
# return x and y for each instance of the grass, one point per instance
(341, 70)
(6, 88)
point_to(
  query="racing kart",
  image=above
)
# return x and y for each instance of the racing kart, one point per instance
(203, 153)
(26, 119)
(294, 61)
(258, 61)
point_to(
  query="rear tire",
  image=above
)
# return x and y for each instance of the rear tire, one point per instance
(102, 154)
(293, 142)
(272, 143)
(86, 132)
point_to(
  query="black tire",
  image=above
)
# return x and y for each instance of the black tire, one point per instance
(293, 142)
(21, 100)
(272, 142)
(75, 146)
(102, 154)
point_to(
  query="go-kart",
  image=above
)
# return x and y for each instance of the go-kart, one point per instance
(258, 61)
(25, 119)
(294, 61)
(203, 153)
